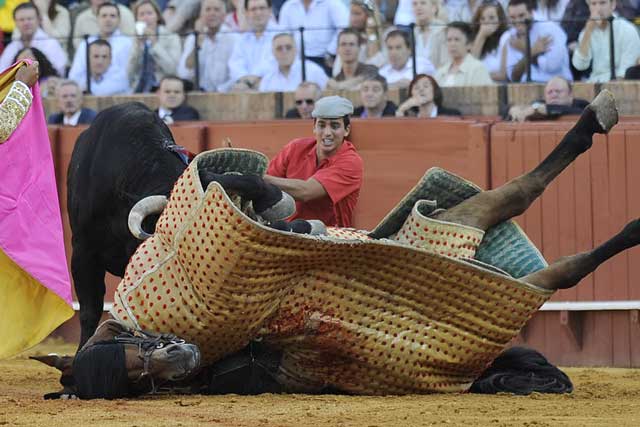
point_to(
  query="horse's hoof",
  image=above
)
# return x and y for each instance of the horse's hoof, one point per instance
(604, 105)
(284, 208)
(317, 227)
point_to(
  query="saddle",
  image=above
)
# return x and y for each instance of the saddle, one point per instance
(362, 313)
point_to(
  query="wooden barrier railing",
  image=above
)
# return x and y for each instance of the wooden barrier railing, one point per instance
(588, 203)
(475, 101)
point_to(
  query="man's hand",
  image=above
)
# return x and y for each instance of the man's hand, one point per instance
(28, 74)
(519, 113)
(541, 46)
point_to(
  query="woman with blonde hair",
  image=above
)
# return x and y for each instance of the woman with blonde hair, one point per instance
(429, 32)
(156, 52)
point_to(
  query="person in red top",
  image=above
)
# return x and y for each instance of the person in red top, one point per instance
(322, 173)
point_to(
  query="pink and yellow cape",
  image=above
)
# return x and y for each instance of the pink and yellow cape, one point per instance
(35, 290)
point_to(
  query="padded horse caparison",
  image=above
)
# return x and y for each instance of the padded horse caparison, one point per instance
(367, 316)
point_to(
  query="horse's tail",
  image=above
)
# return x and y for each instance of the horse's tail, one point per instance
(521, 370)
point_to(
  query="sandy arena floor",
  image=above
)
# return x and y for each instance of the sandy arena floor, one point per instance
(601, 397)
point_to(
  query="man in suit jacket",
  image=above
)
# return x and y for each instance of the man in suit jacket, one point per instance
(69, 98)
(171, 101)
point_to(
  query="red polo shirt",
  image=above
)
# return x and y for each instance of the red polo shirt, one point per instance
(340, 175)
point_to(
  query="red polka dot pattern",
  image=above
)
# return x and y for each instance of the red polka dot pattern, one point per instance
(367, 316)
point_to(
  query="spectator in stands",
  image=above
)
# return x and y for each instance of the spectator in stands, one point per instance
(365, 18)
(236, 19)
(462, 69)
(373, 95)
(549, 10)
(548, 46)
(322, 20)
(69, 99)
(180, 15)
(489, 23)
(156, 52)
(54, 20)
(322, 173)
(87, 21)
(216, 45)
(429, 32)
(27, 17)
(305, 96)
(121, 46)
(172, 106)
(7, 24)
(399, 70)
(48, 77)
(558, 100)
(593, 44)
(252, 57)
(352, 72)
(425, 100)
(287, 74)
(105, 78)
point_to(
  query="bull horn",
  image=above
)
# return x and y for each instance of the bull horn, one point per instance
(139, 211)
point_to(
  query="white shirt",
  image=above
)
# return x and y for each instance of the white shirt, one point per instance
(492, 61)
(252, 55)
(546, 14)
(121, 47)
(113, 82)
(213, 59)
(275, 81)
(71, 120)
(554, 62)
(626, 50)
(406, 73)
(471, 72)
(322, 22)
(51, 48)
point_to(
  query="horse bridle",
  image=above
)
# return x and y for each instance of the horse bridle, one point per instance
(147, 343)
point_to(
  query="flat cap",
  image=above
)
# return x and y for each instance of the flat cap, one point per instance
(331, 107)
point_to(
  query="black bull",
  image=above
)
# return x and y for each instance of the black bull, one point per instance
(123, 157)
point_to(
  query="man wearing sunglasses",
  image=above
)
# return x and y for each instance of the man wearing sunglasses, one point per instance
(306, 95)
(323, 173)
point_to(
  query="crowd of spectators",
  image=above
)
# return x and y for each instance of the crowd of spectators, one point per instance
(110, 48)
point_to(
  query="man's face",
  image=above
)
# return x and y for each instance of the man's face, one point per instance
(518, 14)
(212, 13)
(171, 93)
(284, 50)
(99, 59)
(556, 92)
(108, 20)
(424, 10)
(357, 17)
(258, 14)
(348, 48)
(456, 43)
(372, 94)
(306, 98)
(330, 134)
(399, 52)
(69, 99)
(601, 9)
(27, 22)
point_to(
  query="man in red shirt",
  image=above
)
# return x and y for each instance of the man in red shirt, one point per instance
(322, 173)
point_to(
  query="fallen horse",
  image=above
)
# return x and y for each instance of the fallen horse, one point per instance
(424, 303)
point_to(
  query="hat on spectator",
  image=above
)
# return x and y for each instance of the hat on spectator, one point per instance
(331, 107)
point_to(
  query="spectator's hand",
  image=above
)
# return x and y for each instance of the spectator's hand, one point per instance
(486, 30)
(519, 113)
(518, 43)
(541, 45)
(226, 142)
(332, 84)
(28, 74)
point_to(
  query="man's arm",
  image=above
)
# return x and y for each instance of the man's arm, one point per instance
(582, 55)
(301, 190)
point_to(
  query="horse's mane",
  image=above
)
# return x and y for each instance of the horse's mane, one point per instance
(521, 370)
(100, 371)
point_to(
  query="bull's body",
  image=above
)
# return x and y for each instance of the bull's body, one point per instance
(122, 158)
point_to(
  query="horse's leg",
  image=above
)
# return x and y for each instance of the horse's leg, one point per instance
(568, 271)
(489, 208)
(268, 200)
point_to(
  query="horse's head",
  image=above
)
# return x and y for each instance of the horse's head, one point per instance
(127, 364)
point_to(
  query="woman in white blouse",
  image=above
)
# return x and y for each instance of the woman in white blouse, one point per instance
(429, 31)
(156, 52)
(489, 23)
(462, 69)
